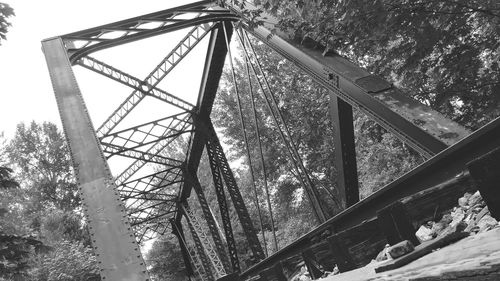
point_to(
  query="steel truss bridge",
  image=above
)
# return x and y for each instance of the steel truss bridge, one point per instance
(135, 205)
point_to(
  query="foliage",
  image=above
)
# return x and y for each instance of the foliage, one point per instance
(41, 154)
(5, 13)
(67, 261)
(380, 156)
(6, 180)
(445, 53)
(44, 208)
(14, 254)
(58, 225)
(165, 261)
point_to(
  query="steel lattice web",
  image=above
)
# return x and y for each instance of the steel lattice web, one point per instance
(150, 198)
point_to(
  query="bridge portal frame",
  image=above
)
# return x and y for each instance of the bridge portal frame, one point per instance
(349, 85)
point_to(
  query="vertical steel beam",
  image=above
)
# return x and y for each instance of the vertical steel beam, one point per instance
(345, 151)
(214, 148)
(224, 210)
(209, 218)
(214, 63)
(200, 250)
(112, 238)
(211, 252)
(177, 231)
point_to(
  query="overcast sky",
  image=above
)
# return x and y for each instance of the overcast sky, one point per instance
(25, 90)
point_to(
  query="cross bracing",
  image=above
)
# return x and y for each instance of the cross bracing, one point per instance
(149, 195)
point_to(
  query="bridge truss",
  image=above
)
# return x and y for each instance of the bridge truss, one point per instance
(140, 203)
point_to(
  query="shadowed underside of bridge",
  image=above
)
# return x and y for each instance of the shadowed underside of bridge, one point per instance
(149, 196)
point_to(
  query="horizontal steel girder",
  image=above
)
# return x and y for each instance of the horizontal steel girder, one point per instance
(84, 42)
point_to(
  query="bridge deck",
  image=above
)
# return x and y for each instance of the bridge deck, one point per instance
(473, 258)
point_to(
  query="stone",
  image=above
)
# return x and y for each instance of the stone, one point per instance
(424, 234)
(486, 223)
(382, 256)
(475, 199)
(457, 215)
(400, 249)
(463, 202)
(438, 227)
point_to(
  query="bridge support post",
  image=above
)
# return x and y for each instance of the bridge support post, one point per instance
(345, 151)
(224, 210)
(177, 231)
(215, 151)
(278, 272)
(485, 172)
(112, 238)
(209, 218)
(310, 261)
(230, 277)
(200, 249)
(396, 225)
(341, 254)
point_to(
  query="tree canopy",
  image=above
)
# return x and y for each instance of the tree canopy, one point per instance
(6, 12)
(444, 53)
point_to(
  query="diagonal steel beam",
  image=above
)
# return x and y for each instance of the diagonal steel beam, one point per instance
(133, 82)
(141, 155)
(155, 180)
(148, 219)
(135, 211)
(144, 125)
(193, 37)
(136, 165)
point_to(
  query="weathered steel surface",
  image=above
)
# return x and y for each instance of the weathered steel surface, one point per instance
(113, 241)
(345, 151)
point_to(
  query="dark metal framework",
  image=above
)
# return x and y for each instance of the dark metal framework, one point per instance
(147, 205)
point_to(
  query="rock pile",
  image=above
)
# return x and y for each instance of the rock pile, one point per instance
(471, 215)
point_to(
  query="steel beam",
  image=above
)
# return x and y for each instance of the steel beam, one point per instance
(133, 82)
(212, 72)
(207, 245)
(395, 111)
(214, 150)
(114, 244)
(224, 212)
(345, 151)
(200, 250)
(153, 150)
(168, 63)
(177, 231)
(209, 219)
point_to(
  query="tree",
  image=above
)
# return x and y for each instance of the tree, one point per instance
(5, 13)
(45, 208)
(41, 154)
(165, 260)
(442, 52)
(66, 261)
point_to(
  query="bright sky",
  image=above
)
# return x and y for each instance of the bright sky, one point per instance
(25, 90)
